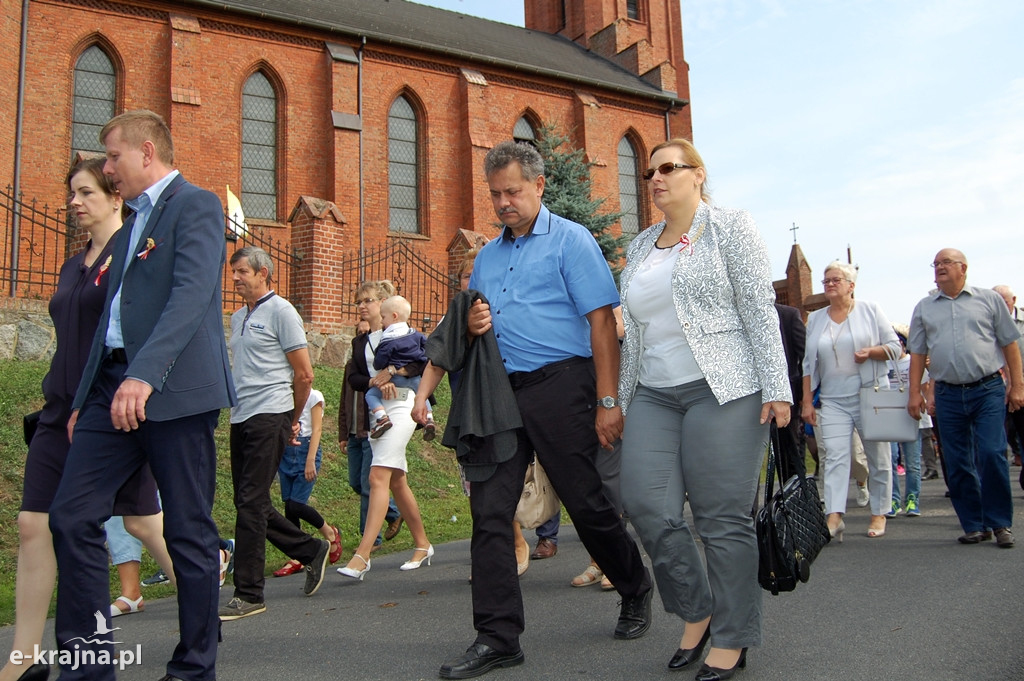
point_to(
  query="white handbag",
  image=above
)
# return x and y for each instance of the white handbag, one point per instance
(539, 501)
(883, 413)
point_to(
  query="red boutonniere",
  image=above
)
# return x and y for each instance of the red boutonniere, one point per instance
(103, 269)
(144, 253)
(688, 243)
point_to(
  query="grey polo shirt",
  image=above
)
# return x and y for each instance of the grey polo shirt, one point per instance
(964, 336)
(260, 340)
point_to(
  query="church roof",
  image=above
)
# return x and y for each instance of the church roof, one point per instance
(452, 34)
(797, 259)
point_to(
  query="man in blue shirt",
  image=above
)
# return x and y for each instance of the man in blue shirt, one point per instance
(550, 296)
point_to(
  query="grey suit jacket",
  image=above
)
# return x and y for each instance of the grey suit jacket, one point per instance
(724, 301)
(171, 307)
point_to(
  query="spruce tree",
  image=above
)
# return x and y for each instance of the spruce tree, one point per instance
(567, 192)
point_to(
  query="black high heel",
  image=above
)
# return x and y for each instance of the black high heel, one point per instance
(37, 672)
(708, 673)
(684, 658)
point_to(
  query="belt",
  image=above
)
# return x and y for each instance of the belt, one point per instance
(518, 379)
(972, 384)
(117, 355)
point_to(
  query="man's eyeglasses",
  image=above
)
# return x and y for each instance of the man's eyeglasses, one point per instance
(664, 169)
(834, 281)
(946, 262)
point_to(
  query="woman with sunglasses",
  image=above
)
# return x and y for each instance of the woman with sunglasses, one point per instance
(847, 344)
(703, 372)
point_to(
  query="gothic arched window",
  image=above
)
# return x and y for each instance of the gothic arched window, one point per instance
(259, 148)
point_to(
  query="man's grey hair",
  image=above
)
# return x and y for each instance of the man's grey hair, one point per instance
(258, 259)
(501, 156)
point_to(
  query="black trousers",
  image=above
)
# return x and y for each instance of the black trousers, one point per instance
(183, 457)
(557, 404)
(257, 445)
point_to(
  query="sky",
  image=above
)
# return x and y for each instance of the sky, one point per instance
(894, 128)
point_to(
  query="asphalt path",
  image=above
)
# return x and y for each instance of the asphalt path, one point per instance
(913, 605)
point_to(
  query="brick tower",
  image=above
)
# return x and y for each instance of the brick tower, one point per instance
(645, 37)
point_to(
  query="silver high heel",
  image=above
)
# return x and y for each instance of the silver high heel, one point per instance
(355, 574)
(837, 533)
(413, 564)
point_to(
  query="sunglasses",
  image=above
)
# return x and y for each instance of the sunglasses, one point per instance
(664, 169)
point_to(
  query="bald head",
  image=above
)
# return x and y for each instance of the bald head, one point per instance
(1008, 296)
(950, 270)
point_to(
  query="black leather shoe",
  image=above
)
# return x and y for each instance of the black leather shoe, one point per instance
(708, 673)
(635, 616)
(684, 658)
(478, 660)
(39, 671)
(168, 677)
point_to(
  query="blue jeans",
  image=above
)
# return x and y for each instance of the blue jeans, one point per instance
(359, 459)
(292, 472)
(912, 464)
(974, 449)
(123, 547)
(374, 398)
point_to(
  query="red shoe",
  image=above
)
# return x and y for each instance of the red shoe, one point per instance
(290, 568)
(335, 553)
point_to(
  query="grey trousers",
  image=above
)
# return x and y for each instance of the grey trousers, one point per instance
(680, 444)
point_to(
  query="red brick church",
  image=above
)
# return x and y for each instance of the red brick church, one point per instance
(353, 131)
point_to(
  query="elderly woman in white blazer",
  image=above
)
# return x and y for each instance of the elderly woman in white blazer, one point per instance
(703, 371)
(846, 346)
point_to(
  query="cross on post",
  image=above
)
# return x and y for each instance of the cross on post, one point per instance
(793, 229)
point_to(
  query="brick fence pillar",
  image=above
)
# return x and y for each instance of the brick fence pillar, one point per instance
(316, 284)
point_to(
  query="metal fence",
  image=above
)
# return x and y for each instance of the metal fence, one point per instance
(36, 242)
(427, 285)
(45, 237)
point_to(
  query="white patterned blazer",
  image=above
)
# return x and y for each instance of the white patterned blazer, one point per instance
(724, 300)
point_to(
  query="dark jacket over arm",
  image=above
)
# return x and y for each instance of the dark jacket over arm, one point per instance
(484, 416)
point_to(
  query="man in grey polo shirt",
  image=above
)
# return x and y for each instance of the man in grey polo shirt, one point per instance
(1016, 418)
(273, 375)
(969, 336)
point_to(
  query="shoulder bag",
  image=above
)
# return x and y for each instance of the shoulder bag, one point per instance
(883, 413)
(791, 527)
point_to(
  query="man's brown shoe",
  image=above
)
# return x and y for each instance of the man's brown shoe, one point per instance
(545, 549)
(1004, 538)
(394, 527)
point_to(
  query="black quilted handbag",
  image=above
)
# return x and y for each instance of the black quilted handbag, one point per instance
(791, 527)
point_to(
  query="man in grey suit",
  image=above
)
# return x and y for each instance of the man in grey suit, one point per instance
(152, 390)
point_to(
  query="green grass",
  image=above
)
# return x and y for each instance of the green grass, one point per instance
(433, 476)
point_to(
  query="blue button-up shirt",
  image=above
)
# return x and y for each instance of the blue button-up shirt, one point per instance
(143, 207)
(540, 287)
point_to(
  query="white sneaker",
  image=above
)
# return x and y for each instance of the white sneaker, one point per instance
(862, 495)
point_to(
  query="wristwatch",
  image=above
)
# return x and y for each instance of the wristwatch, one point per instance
(608, 402)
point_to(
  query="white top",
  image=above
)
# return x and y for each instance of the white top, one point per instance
(666, 359)
(372, 343)
(840, 375)
(306, 419)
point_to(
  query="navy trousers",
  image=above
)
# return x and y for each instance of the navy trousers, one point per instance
(182, 456)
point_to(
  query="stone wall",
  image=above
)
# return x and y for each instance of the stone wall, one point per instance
(26, 334)
(26, 331)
